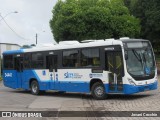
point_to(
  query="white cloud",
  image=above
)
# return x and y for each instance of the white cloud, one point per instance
(33, 17)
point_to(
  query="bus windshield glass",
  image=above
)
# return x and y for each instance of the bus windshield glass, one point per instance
(140, 62)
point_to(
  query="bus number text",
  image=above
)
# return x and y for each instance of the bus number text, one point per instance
(8, 74)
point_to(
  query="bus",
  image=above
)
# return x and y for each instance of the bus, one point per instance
(96, 67)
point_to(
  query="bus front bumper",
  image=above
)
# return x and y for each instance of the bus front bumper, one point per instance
(130, 89)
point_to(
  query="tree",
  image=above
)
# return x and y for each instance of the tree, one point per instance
(92, 19)
(131, 4)
(148, 11)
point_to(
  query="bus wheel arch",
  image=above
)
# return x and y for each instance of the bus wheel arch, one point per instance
(97, 89)
(93, 81)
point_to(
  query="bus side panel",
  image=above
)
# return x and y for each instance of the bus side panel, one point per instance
(32, 74)
(131, 89)
(106, 88)
(43, 79)
(76, 80)
(27, 75)
(59, 82)
(73, 86)
(10, 78)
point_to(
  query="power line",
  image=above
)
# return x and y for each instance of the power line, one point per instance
(12, 29)
(7, 15)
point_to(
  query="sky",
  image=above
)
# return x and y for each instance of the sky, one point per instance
(33, 17)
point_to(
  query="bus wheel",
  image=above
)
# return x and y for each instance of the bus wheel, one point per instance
(35, 88)
(98, 91)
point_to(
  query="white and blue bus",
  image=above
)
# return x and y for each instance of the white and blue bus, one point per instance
(123, 66)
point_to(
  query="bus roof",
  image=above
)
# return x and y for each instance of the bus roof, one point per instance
(133, 40)
(69, 45)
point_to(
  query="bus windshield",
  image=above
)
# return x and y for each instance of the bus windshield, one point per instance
(140, 62)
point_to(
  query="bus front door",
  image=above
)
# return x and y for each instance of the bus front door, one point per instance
(19, 70)
(114, 64)
(51, 63)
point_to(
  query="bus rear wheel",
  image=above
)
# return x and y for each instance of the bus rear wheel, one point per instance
(35, 87)
(98, 91)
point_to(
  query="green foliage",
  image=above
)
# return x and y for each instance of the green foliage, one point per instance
(92, 19)
(148, 11)
(131, 4)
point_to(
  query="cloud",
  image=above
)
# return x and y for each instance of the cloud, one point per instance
(33, 17)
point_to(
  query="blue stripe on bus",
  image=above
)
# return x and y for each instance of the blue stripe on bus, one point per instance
(13, 51)
(74, 86)
(130, 89)
(69, 86)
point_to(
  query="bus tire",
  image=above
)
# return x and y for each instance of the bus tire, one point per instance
(98, 91)
(35, 88)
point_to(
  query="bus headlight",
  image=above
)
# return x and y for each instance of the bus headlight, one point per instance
(131, 81)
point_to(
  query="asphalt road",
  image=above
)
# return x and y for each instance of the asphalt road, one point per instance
(19, 100)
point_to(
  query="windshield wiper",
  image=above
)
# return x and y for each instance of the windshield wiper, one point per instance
(137, 55)
(144, 58)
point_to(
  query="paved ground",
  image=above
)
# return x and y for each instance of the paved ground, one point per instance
(18, 100)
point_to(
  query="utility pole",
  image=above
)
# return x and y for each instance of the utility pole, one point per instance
(36, 38)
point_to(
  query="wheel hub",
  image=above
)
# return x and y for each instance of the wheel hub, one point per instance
(99, 91)
(34, 88)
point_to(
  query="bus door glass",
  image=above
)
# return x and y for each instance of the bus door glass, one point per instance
(51, 63)
(18, 64)
(114, 63)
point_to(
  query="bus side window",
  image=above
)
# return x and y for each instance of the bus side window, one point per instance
(70, 58)
(18, 63)
(90, 57)
(96, 61)
(27, 61)
(37, 60)
(8, 62)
